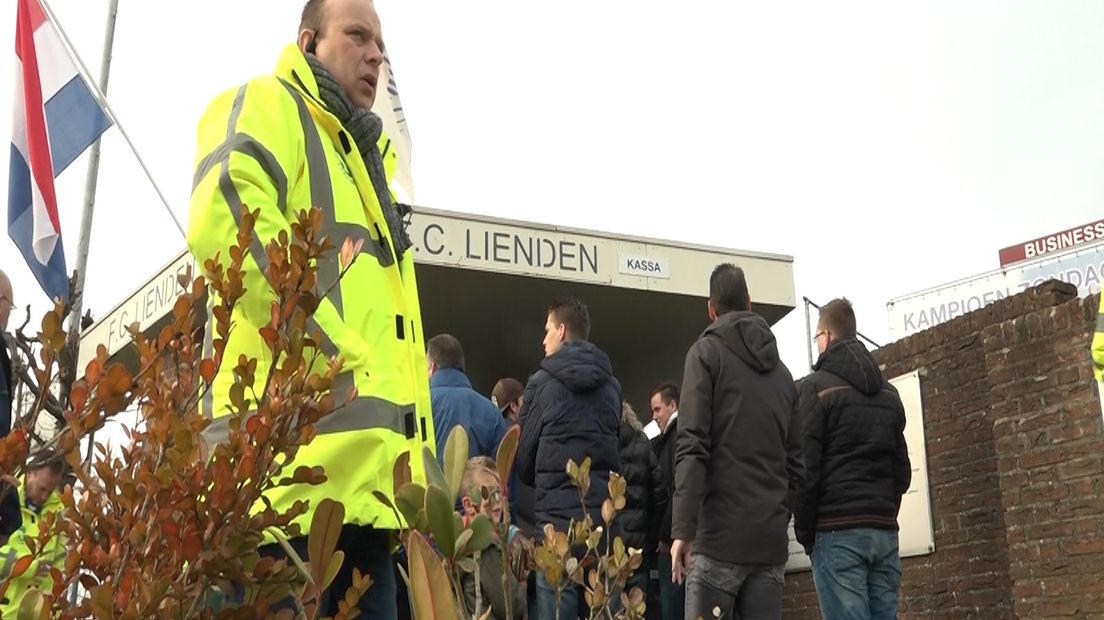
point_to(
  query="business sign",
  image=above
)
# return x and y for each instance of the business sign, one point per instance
(1051, 244)
(486, 244)
(480, 245)
(1083, 268)
(151, 302)
(647, 266)
(465, 241)
(916, 537)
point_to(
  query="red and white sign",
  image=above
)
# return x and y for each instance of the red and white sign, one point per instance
(1058, 242)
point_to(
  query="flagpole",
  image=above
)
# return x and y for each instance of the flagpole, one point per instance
(90, 189)
(102, 100)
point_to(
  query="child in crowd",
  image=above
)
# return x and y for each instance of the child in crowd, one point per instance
(481, 473)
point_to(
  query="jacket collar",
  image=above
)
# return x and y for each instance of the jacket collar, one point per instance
(670, 421)
(292, 67)
(449, 377)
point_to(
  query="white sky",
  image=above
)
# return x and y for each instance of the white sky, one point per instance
(888, 147)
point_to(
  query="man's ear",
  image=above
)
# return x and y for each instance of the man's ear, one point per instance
(306, 41)
(749, 303)
(712, 310)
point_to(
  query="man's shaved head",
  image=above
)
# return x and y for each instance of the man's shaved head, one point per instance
(6, 300)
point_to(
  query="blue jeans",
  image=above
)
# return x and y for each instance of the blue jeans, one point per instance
(672, 596)
(571, 602)
(546, 600)
(857, 574)
(368, 550)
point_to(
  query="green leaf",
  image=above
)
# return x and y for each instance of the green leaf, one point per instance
(410, 500)
(507, 450)
(295, 559)
(431, 595)
(456, 459)
(572, 471)
(466, 564)
(434, 475)
(325, 528)
(331, 569)
(440, 513)
(386, 501)
(31, 606)
(584, 476)
(461, 542)
(482, 533)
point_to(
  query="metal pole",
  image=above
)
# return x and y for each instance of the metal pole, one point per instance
(858, 334)
(808, 334)
(90, 190)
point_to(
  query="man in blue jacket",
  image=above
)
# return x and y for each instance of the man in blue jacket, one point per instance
(571, 410)
(454, 402)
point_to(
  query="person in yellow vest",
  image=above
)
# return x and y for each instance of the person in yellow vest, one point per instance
(1098, 343)
(40, 498)
(281, 143)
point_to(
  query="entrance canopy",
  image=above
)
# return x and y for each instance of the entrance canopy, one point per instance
(490, 281)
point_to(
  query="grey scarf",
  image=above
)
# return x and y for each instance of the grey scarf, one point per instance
(365, 127)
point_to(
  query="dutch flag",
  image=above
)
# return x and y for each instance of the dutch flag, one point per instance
(56, 118)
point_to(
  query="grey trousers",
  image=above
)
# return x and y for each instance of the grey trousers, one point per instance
(743, 591)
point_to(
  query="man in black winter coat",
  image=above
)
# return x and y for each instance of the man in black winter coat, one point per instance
(738, 465)
(857, 471)
(665, 404)
(571, 410)
(645, 496)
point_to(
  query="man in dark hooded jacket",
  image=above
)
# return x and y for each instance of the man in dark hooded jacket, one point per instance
(739, 463)
(857, 471)
(571, 410)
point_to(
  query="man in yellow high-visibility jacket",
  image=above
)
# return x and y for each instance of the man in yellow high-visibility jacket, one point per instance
(306, 137)
(37, 497)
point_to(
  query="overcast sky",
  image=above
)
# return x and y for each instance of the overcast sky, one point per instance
(888, 147)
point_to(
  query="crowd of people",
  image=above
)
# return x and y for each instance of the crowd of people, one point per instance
(729, 457)
(737, 452)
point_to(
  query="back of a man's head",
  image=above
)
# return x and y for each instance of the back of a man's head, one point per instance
(6, 301)
(838, 318)
(445, 352)
(573, 315)
(728, 291)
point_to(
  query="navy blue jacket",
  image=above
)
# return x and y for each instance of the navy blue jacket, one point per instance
(572, 410)
(6, 389)
(455, 403)
(11, 517)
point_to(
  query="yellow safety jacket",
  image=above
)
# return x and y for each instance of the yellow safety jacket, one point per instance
(272, 145)
(1098, 342)
(36, 576)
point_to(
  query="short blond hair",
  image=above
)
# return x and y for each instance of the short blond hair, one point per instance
(479, 466)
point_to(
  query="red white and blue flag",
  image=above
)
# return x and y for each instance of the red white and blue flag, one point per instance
(56, 117)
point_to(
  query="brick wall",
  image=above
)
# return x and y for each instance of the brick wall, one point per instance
(1015, 462)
